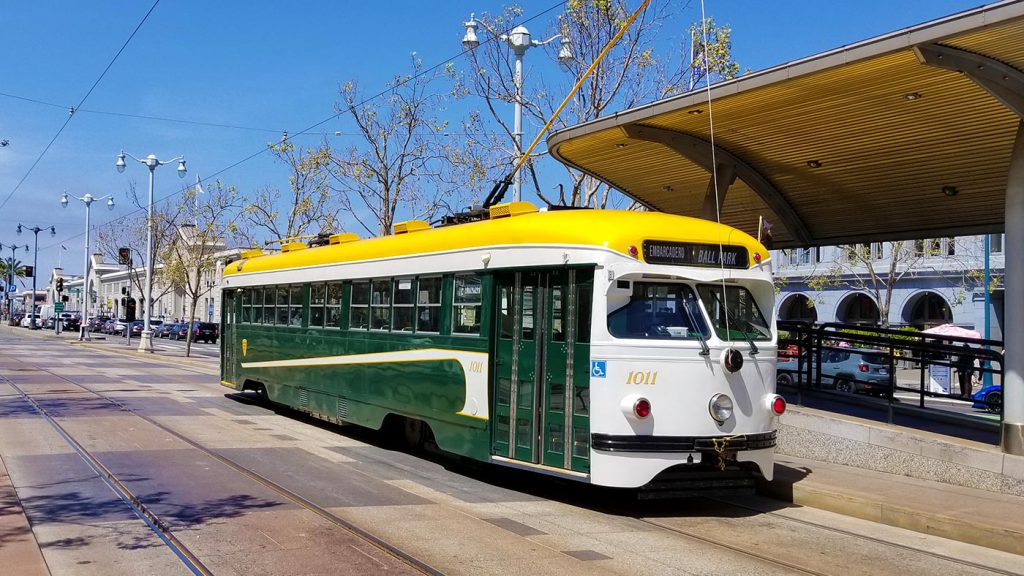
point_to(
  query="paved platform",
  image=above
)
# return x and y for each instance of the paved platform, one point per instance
(964, 514)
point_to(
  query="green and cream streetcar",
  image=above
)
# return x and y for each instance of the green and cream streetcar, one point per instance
(617, 348)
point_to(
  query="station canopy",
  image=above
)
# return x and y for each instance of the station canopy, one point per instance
(907, 135)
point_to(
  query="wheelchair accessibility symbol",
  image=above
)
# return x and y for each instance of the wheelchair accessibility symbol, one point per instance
(597, 369)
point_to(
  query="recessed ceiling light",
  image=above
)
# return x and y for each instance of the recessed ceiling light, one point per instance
(667, 188)
(950, 190)
(814, 164)
(621, 145)
(912, 96)
(695, 111)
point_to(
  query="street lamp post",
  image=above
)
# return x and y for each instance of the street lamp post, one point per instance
(35, 267)
(10, 277)
(151, 162)
(519, 41)
(88, 199)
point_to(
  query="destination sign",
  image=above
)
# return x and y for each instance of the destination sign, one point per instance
(685, 254)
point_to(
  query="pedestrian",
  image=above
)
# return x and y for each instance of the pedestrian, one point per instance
(965, 368)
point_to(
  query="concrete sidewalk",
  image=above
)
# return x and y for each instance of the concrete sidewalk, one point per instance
(19, 550)
(969, 515)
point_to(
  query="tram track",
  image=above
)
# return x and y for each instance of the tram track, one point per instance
(160, 527)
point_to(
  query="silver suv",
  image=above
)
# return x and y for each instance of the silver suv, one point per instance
(846, 370)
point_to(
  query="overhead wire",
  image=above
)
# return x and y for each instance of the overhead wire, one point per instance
(202, 123)
(315, 125)
(71, 111)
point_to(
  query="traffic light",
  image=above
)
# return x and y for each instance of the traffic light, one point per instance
(60, 284)
(29, 271)
(124, 256)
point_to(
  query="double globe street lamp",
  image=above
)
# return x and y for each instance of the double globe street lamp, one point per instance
(518, 39)
(151, 162)
(88, 199)
(35, 267)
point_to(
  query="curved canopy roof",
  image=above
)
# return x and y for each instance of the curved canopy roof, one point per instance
(907, 135)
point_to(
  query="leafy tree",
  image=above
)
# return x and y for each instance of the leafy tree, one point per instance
(7, 264)
(207, 220)
(308, 206)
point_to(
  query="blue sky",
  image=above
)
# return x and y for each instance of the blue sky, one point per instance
(272, 66)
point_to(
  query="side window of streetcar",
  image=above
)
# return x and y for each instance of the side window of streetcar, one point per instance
(247, 305)
(380, 304)
(295, 305)
(282, 306)
(466, 304)
(269, 293)
(428, 305)
(317, 300)
(360, 315)
(333, 305)
(405, 307)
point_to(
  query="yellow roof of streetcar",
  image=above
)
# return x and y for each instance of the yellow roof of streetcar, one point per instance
(617, 230)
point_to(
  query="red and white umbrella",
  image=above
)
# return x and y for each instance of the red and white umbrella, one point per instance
(952, 330)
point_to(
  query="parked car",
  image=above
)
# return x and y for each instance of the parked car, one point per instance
(26, 320)
(165, 330)
(843, 369)
(206, 331)
(49, 323)
(989, 398)
(96, 323)
(120, 326)
(136, 327)
(180, 332)
(72, 323)
(15, 319)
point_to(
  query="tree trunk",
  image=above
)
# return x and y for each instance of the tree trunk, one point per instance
(191, 326)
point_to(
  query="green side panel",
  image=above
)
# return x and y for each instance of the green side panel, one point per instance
(556, 358)
(579, 436)
(365, 394)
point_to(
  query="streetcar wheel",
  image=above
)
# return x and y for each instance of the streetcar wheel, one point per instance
(844, 386)
(993, 401)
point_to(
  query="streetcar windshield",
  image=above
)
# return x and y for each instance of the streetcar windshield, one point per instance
(659, 311)
(734, 314)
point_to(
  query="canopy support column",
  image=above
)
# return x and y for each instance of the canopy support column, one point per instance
(1013, 313)
(725, 174)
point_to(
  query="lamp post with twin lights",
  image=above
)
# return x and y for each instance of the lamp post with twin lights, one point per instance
(151, 162)
(518, 39)
(88, 199)
(35, 265)
(10, 277)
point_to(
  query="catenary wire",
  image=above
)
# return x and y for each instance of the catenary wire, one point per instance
(316, 125)
(71, 111)
(207, 124)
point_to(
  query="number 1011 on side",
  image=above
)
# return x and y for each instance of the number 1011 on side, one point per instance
(624, 349)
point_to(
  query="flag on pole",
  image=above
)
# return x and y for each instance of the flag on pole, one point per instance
(199, 190)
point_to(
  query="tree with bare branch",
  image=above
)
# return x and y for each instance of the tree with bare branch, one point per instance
(405, 161)
(630, 74)
(207, 220)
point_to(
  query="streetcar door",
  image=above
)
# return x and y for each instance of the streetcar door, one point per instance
(228, 319)
(535, 368)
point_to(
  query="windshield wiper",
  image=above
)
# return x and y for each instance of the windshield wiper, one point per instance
(746, 334)
(704, 349)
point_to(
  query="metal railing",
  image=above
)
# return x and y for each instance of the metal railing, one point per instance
(893, 369)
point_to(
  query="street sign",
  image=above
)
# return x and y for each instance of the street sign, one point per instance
(58, 307)
(12, 288)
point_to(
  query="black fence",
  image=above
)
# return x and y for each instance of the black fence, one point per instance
(939, 378)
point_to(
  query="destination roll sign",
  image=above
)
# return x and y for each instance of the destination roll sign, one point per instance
(686, 254)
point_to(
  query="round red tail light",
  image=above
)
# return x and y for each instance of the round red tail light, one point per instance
(862, 367)
(779, 405)
(757, 258)
(634, 252)
(642, 408)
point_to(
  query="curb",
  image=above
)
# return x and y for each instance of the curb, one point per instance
(931, 523)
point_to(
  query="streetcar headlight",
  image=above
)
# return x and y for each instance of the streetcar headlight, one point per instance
(720, 407)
